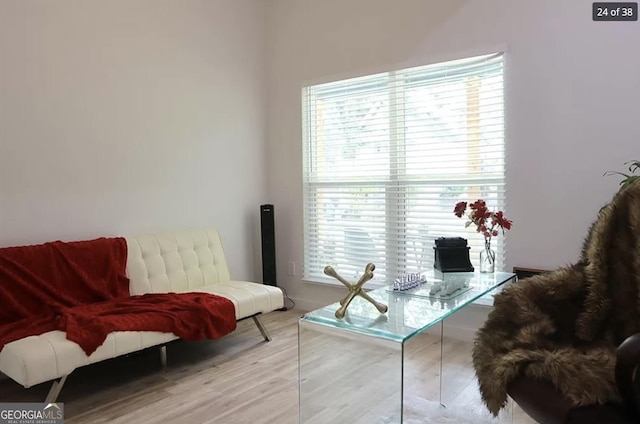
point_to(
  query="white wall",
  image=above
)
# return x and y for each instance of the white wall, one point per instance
(133, 116)
(572, 93)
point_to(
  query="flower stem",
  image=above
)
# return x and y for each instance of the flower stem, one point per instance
(487, 248)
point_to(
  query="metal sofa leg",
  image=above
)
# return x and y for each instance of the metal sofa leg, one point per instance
(262, 328)
(163, 357)
(55, 389)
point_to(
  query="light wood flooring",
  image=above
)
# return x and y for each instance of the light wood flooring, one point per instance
(240, 379)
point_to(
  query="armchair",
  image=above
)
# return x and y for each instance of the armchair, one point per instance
(545, 404)
(565, 344)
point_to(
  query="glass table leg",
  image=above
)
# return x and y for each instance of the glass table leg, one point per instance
(346, 377)
(459, 391)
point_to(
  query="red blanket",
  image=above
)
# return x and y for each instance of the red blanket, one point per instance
(82, 288)
(190, 316)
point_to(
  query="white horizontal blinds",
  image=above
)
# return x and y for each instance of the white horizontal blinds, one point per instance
(387, 156)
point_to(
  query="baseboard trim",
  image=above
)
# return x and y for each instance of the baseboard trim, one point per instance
(307, 306)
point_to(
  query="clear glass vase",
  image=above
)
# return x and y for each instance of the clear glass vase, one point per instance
(487, 258)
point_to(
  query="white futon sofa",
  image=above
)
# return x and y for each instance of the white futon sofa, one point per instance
(187, 261)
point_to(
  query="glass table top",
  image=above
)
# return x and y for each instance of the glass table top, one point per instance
(411, 311)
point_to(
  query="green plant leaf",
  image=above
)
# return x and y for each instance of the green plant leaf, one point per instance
(606, 174)
(635, 165)
(628, 179)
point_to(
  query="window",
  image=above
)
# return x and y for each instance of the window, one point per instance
(386, 158)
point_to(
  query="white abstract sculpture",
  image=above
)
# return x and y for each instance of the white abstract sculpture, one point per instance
(446, 288)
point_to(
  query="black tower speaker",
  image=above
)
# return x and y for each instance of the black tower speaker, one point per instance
(268, 245)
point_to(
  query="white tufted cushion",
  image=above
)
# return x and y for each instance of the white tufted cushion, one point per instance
(193, 261)
(248, 298)
(35, 359)
(175, 262)
(171, 262)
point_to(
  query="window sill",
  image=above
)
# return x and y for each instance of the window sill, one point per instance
(330, 282)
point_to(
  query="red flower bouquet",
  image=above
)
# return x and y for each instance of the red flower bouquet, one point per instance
(486, 222)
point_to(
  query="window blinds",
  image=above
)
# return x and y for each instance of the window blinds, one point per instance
(387, 156)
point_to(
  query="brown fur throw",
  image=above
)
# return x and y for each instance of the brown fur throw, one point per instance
(564, 326)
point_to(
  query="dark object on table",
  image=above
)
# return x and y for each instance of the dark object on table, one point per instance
(452, 255)
(451, 242)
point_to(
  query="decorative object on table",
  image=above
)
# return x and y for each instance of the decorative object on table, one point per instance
(487, 223)
(447, 287)
(355, 289)
(444, 286)
(452, 255)
(408, 281)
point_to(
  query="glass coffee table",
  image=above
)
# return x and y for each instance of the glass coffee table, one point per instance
(353, 370)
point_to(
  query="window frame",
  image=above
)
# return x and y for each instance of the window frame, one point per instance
(394, 180)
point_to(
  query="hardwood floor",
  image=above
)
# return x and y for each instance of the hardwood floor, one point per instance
(239, 379)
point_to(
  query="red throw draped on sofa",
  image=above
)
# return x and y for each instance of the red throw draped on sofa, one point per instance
(82, 288)
(190, 316)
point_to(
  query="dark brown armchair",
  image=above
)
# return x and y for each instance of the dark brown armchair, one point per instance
(559, 327)
(542, 402)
